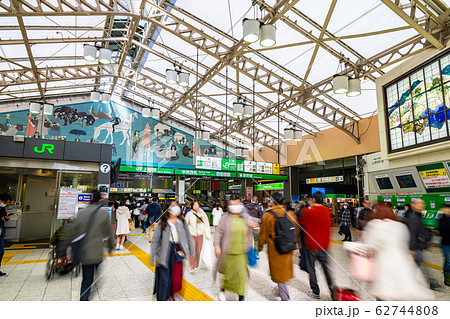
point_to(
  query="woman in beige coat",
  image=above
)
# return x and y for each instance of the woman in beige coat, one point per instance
(198, 227)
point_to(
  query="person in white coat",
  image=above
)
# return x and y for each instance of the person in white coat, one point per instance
(396, 276)
(217, 213)
(123, 226)
(198, 227)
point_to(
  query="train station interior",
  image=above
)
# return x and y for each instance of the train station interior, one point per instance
(202, 103)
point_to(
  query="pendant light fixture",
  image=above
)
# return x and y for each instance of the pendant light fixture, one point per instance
(340, 84)
(35, 108)
(238, 108)
(238, 151)
(171, 76)
(268, 35)
(89, 52)
(183, 79)
(354, 87)
(198, 134)
(48, 109)
(245, 152)
(250, 30)
(248, 111)
(288, 134)
(155, 113)
(105, 97)
(297, 135)
(206, 135)
(95, 96)
(146, 112)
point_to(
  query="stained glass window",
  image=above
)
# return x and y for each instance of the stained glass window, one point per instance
(418, 105)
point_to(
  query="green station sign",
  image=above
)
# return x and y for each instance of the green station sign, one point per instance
(203, 173)
(273, 186)
(231, 164)
(143, 169)
(262, 176)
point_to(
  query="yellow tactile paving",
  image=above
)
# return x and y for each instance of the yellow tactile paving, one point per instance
(26, 246)
(45, 260)
(188, 292)
(10, 254)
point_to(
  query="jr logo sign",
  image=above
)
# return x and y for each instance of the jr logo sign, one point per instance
(45, 147)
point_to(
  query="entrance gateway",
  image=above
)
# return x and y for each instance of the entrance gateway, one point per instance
(39, 172)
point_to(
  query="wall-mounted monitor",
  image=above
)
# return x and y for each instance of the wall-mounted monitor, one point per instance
(318, 189)
(384, 182)
(406, 181)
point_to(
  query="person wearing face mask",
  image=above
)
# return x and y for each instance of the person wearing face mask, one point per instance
(232, 239)
(171, 243)
(346, 223)
(198, 226)
(4, 200)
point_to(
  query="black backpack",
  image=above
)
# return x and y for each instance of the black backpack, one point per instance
(285, 236)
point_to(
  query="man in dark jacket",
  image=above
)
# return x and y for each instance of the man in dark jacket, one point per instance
(444, 229)
(95, 224)
(255, 211)
(363, 215)
(4, 200)
(154, 212)
(420, 235)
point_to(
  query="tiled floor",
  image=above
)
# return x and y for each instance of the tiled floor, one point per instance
(129, 277)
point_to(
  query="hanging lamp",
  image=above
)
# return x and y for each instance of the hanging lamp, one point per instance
(250, 29)
(288, 134)
(48, 109)
(354, 87)
(146, 112)
(340, 84)
(238, 108)
(268, 35)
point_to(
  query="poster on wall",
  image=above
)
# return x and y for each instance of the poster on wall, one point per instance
(68, 201)
(434, 176)
(83, 201)
(104, 190)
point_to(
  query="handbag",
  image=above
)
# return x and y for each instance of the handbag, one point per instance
(131, 224)
(178, 257)
(252, 259)
(361, 263)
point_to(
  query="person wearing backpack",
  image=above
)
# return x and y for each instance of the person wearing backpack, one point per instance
(279, 232)
(316, 223)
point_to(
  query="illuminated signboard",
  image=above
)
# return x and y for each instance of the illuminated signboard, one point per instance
(323, 180)
(264, 168)
(231, 164)
(203, 173)
(204, 162)
(143, 169)
(273, 186)
(250, 167)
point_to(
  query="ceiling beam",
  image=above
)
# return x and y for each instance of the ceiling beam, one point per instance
(412, 18)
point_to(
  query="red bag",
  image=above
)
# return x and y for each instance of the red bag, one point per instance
(345, 295)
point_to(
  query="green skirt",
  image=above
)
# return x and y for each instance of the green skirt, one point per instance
(235, 273)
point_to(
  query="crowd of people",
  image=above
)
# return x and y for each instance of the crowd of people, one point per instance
(179, 232)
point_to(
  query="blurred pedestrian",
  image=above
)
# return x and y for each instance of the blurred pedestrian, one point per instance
(346, 223)
(143, 215)
(171, 243)
(199, 227)
(316, 222)
(153, 211)
(5, 199)
(136, 213)
(280, 264)
(444, 229)
(94, 225)
(396, 277)
(186, 208)
(420, 235)
(217, 213)
(123, 224)
(232, 239)
(255, 211)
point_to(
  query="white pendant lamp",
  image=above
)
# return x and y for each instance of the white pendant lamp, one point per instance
(288, 134)
(340, 84)
(206, 135)
(146, 112)
(48, 109)
(248, 111)
(35, 108)
(245, 152)
(89, 53)
(95, 96)
(104, 56)
(106, 98)
(250, 30)
(238, 151)
(298, 135)
(198, 134)
(171, 76)
(183, 79)
(354, 87)
(155, 113)
(268, 35)
(238, 109)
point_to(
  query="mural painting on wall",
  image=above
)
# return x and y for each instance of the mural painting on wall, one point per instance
(135, 139)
